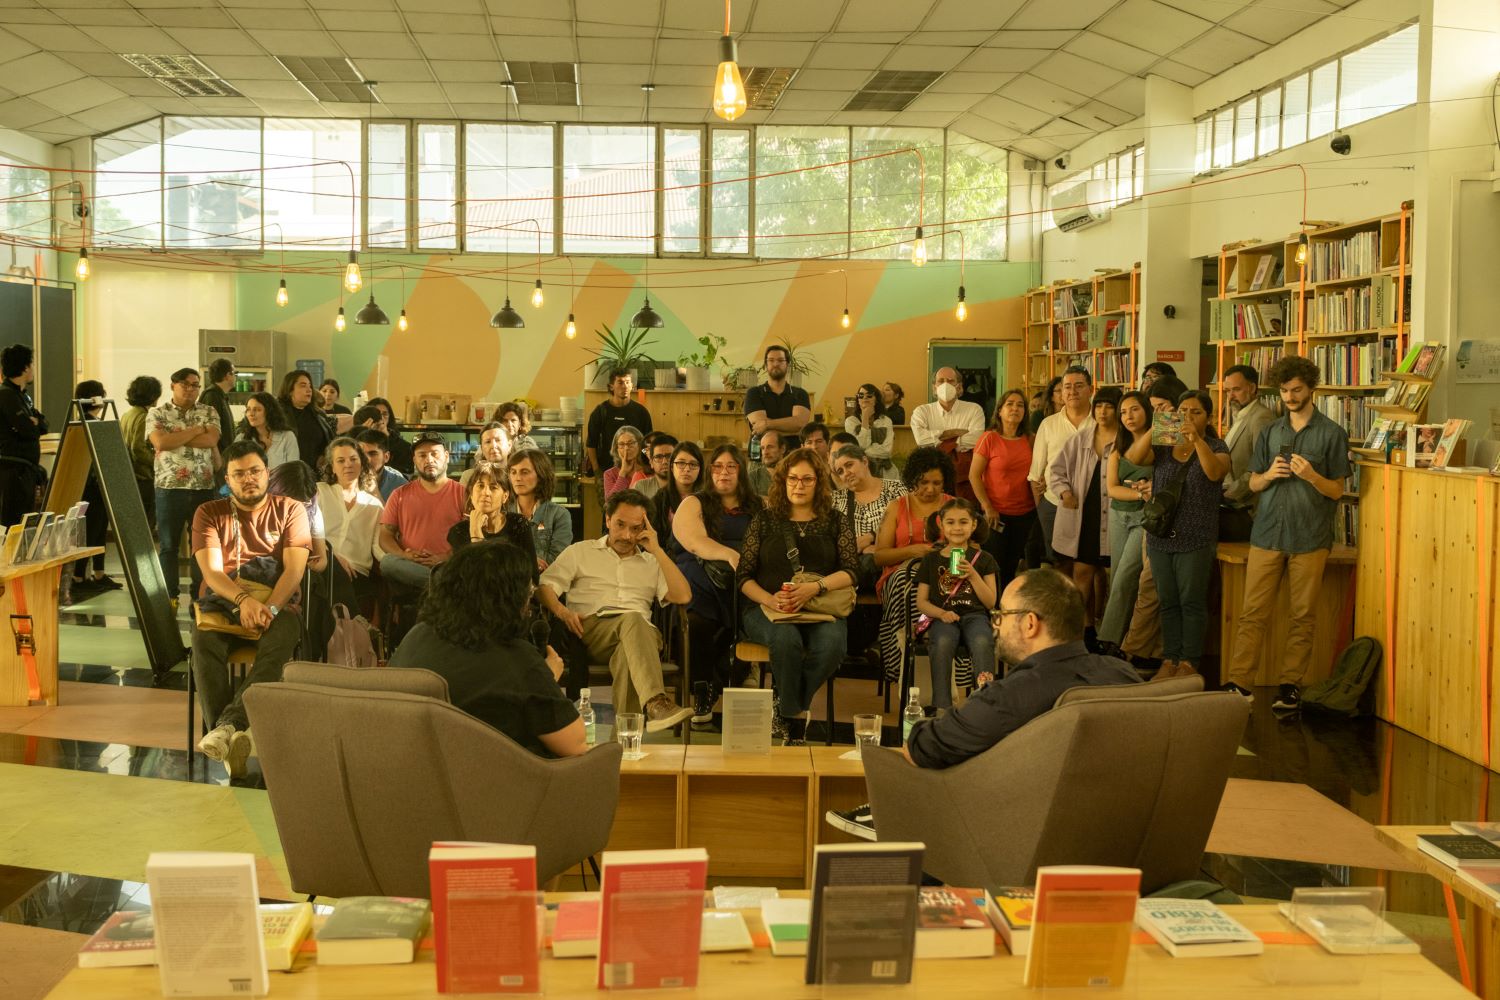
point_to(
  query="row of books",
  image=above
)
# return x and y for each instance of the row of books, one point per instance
(1472, 850)
(1260, 358)
(1072, 302)
(1407, 395)
(1330, 260)
(1109, 331)
(1230, 320)
(1353, 413)
(1346, 525)
(1268, 272)
(1343, 311)
(1072, 337)
(1422, 358)
(1352, 364)
(1114, 368)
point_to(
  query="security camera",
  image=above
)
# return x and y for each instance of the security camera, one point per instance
(1061, 163)
(1341, 144)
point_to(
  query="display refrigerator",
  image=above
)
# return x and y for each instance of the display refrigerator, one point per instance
(259, 358)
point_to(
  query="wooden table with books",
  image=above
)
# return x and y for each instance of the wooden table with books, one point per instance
(1482, 938)
(756, 975)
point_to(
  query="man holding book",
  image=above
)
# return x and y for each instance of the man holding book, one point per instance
(1075, 417)
(1298, 468)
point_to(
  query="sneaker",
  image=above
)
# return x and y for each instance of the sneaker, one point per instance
(703, 705)
(107, 583)
(215, 744)
(778, 724)
(858, 822)
(240, 748)
(1244, 693)
(1288, 699)
(664, 713)
(794, 741)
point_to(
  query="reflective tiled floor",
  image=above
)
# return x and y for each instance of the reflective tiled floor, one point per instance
(1379, 773)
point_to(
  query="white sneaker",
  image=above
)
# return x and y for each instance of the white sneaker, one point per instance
(240, 748)
(215, 744)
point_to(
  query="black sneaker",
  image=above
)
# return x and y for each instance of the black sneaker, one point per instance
(1287, 699)
(858, 822)
(703, 705)
(794, 741)
(1242, 692)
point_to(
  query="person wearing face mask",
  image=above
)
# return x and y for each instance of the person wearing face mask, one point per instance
(951, 425)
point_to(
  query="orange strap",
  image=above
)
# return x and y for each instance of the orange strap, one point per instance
(1458, 939)
(20, 624)
(1388, 485)
(1485, 609)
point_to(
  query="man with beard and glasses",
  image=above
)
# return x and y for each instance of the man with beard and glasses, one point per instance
(775, 404)
(414, 525)
(250, 540)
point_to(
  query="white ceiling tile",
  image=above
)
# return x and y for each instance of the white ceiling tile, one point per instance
(531, 27)
(291, 109)
(56, 37)
(125, 111)
(1177, 72)
(678, 99)
(1279, 20)
(474, 71)
(244, 67)
(864, 117)
(38, 71)
(595, 96)
(599, 29)
(693, 15)
(813, 100)
(935, 102)
(966, 15)
(1127, 95)
(36, 15)
(1029, 39)
(598, 74)
(272, 90)
(1002, 60)
(615, 50)
(1076, 73)
(837, 55)
(859, 37)
(381, 44)
(444, 24)
(970, 83)
(830, 79)
(1039, 149)
(476, 93)
(75, 96)
(1109, 52)
(445, 47)
(962, 39)
(1063, 132)
(1098, 115)
(289, 20)
(1004, 111)
(1217, 50)
(622, 114)
(170, 104)
(91, 16)
(137, 85)
(1043, 96)
(922, 119)
(22, 113)
(99, 63)
(298, 43)
(420, 110)
(684, 76)
(562, 10)
(764, 53)
(443, 6)
(789, 15)
(1210, 10)
(213, 41)
(195, 17)
(59, 130)
(612, 12)
(552, 113)
(1050, 15)
(538, 49)
(13, 47)
(259, 5)
(975, 127)
(409, 93)
(925, 57)
(361, 20)
(1152, 26)
(135, 40)
(882, 15)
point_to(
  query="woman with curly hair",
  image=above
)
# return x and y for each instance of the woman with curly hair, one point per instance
(899, 548)
(798, 530)
(265, 424)
(472, 632)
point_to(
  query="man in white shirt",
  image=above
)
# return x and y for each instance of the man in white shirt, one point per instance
(950, 424)
(1075, 416)
(611, 584)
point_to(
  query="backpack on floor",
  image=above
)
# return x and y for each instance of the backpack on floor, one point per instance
(1348, 691)
(351, 644)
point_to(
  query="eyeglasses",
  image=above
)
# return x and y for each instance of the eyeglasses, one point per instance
(1002, 612)
(661, 458)
(725, 467)
(802, 480)
(685, 465)
(864, 395)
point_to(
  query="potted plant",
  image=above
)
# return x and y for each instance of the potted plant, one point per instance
(698, 363)
(800, 363)
(624, 348)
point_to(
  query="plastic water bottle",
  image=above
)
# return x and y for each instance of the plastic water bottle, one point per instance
(912, 715)
(586, 713)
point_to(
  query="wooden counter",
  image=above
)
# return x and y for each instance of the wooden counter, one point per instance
(687, 414)
(1427, 591)
(29, 590)
(1335, 614)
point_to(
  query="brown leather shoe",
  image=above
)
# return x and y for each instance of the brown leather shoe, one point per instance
(1167, 670)
(664, 713)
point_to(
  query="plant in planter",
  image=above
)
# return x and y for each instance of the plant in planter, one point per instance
(625, 348)
(699, 363)
(800, 363)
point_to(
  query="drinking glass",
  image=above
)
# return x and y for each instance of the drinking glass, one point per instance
(867, 730)
(628, 729)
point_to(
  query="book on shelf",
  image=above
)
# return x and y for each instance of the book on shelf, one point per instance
(1080, 936)
(1348, 929)
(1451, 443)
(1356, 256)
(951, 923)
(1195, 928)
(1011, 909)
(1429, 360)
(1262, 272)
(864, 913)
(208, 940)
(1166, 428)
(786, 922)
(1422, 444)
(651, 918)
(484, 917)
(373, 930)
(128, 937)
(1460, 850)
(1379, 431)
(1410, 358)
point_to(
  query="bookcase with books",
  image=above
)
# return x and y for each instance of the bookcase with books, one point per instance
(1092, 322)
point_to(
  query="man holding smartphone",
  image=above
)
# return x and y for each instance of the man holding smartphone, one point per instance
(1298, 468)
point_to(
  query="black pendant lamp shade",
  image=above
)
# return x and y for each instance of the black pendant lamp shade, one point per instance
(648, 318)
(507, 318)
(372, 315)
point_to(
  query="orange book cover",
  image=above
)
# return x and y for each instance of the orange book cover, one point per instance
(1080, 934)
(651, 918)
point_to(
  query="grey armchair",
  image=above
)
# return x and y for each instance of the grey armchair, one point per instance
(366, 768)
(1132, 781)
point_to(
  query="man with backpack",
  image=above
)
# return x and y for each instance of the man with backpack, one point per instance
(1298, 468)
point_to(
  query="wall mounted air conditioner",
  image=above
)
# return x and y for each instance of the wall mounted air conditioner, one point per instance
(1080, 206)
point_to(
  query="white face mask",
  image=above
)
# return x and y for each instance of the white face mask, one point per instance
(947, 392)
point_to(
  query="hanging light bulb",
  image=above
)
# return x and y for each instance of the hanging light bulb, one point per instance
(536, 294)
(571, 330)
(729, 86)
(962, 312)
(281, 293)
(844, 319)
(352, 278)
(1302, 249)
(919, 249)
(82, 268)
(338, 321)
(402, 324)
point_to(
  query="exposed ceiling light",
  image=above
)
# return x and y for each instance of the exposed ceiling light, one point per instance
(729, 87)
(891, 90)
(764, 85)
(330, 80)
(184, 76)
(545, 82)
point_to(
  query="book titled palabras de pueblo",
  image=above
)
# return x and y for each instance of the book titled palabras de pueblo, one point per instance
(484, 917)
(1189, 928)
(208, 940)
(651, 918)
(864, 913)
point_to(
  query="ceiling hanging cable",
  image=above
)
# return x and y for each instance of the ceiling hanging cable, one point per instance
(507, 318)
(729, 87)
(371, 314)
(648, 318)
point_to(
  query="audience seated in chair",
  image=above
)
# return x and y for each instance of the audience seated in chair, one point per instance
(473, 633)
(257, 532)
(626, 570)
(414, 526)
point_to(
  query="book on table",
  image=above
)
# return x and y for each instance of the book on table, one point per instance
(651, 918)
(786, 922)
(864, 913)
(484, 917)
(208, 940)
(725, 930)
(1080, 935)
(1195, 928)
(1477, 828)
(1460, 850)
(1012, 908)
(951, 923)
(575, 933)
(128, 937)
(747, 720)
(373, 930)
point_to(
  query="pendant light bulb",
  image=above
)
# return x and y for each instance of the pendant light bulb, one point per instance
(1302, 249)
(919, 249)
(281, 293)
(844, 319)
(338, 321)
(729, 86)
(962, 312)
(402, 324)
(572, 328)
(353, 280)
(536, 294)
(82, 270)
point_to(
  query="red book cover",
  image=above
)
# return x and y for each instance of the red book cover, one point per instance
(128, 937)
(484, 917)
(651, 918)
(576, 933)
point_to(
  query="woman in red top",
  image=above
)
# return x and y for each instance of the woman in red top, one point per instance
(1002, 459)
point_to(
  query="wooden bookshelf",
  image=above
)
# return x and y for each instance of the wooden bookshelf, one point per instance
(1093, 322)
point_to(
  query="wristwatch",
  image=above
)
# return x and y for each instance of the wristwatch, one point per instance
(822, 588)
(273, 609)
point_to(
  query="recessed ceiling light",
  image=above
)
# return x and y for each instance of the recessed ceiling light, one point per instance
(891, 90)
(545, 82)
(184, 76)
(328, 79)
(764, 85)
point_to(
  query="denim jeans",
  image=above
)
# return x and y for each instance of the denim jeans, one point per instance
(222, 705)
(1182, 585)
(174, 512)
(942, 642)
(803, 657)
(400, 570)
(1124, 573)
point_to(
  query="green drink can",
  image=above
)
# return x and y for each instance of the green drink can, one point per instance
(954, 558)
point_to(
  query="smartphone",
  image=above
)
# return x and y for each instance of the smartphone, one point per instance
(1286, 453)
